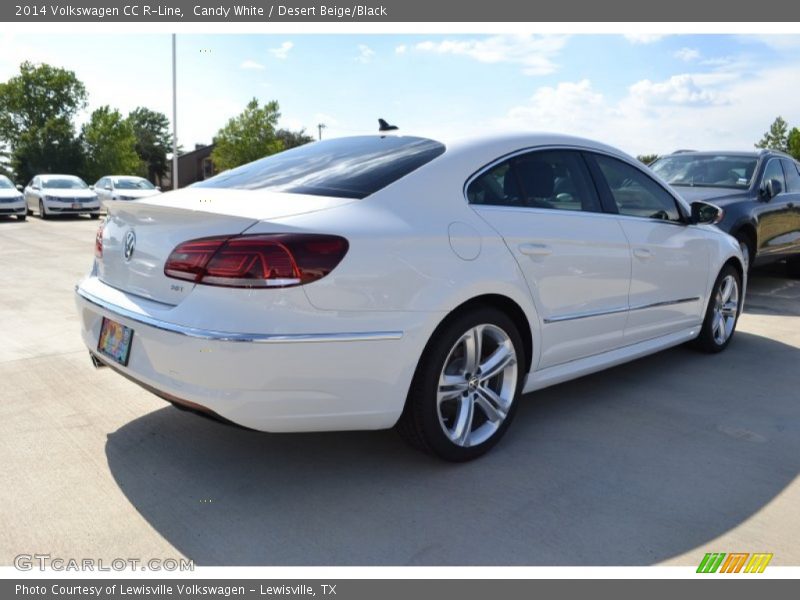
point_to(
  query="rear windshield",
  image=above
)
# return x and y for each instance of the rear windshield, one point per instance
(350, 167)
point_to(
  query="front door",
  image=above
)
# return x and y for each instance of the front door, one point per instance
(575, 259)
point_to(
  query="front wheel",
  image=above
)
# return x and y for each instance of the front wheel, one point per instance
(722, 313)
(22, 217)
(42, 212)
(94, 216)
(465, 390)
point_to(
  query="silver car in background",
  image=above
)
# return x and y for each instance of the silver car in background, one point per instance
(11, 200)
(123, 187)
(61, 195)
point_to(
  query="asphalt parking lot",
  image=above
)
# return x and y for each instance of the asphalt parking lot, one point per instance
(657, 461)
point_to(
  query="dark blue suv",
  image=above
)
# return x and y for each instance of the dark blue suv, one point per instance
(759, 192)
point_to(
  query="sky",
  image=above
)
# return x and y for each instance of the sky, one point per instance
(642, 93)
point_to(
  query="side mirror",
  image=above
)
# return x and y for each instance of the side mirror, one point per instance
(19, 187)
(771, 188)
(158, 188)
(107, 188)
(704, 213)
(91, 187)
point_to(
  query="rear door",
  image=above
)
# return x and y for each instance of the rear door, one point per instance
(775, 214)
(669, 259)
(574, 257)
(791, 170)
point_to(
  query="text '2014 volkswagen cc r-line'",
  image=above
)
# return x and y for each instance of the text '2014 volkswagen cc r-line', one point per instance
(374, 281)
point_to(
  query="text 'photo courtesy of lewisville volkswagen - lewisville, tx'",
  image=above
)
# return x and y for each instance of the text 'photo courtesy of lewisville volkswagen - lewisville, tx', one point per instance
(395, 298)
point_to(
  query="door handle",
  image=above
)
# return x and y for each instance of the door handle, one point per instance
(535, 249)
(642, 253)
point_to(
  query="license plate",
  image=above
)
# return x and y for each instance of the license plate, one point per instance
(76, 205)
(115, 341)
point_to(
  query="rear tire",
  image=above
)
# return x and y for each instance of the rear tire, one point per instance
(722, 313)
(42, 213)
(466, 387)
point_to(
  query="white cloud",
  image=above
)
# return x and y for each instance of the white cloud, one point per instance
(365, 54)
(251, 65)
(705, 111)
(644, 38)
(687, 54)
(678, 89)
(401, 49)
(282, 51)
(534, 54)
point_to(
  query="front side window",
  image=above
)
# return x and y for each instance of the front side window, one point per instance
(554, 179)
(635, 193)
(774, 171)
(350, 167)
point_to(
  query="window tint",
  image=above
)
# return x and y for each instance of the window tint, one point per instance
(351, 167)
(792, 175)
(774, 171)
(554, 179)
(634, 193)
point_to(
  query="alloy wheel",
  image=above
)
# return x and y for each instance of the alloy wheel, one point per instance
(477, 385)
(726, 308)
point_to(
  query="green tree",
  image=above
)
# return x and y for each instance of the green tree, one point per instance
(153, 140)
(647, 158)
(292, 139)
(49, 149)
(793, 143)
(248, 136)
(777, 136)
(110, 145)
(36, 111)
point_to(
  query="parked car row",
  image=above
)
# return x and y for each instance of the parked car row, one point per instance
(50, 195)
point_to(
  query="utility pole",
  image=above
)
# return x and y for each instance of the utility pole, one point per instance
(174, 119)
(320, 127)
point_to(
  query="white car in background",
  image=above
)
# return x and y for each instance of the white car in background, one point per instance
(61, 195)
(12, 201)
(123, 187)
(373, 281)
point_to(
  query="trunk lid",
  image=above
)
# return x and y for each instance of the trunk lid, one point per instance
(158, 224)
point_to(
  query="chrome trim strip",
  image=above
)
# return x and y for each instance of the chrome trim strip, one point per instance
(614, 311)
(225, 336)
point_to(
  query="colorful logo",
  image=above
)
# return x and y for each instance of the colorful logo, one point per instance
(734, 562)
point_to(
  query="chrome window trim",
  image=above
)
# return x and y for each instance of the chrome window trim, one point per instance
(614, 311)
(226, 336)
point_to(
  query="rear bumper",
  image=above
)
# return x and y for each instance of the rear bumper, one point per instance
(336, 380)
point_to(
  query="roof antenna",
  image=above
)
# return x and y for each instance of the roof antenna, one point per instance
(384, 126)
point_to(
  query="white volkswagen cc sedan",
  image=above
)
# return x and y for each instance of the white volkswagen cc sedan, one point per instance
(61, 195)
(374, 281)
(123, 187)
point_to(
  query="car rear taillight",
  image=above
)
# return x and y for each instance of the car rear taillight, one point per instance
(259, 260)
(98, 241)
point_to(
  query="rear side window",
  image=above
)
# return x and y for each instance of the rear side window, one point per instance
(351, 167)
(792, 175)
(555, 179)
(634, 192)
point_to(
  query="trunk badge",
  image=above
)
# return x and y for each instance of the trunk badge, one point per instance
(129, 245)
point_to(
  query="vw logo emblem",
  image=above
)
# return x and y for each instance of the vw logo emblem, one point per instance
(129, 245)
